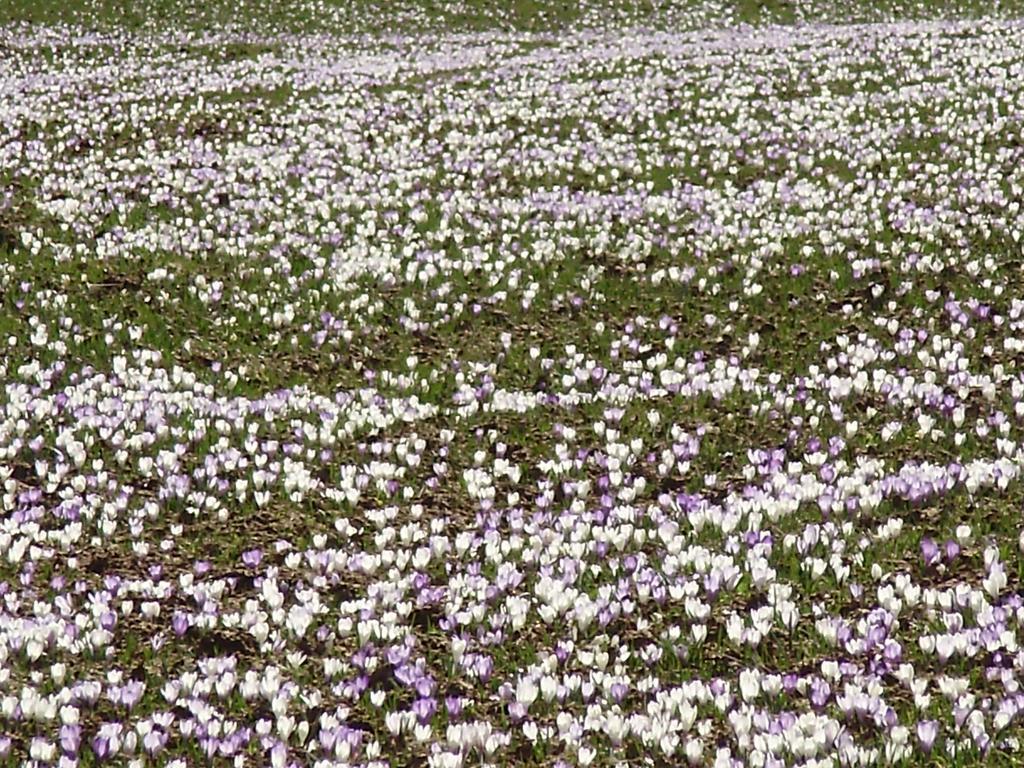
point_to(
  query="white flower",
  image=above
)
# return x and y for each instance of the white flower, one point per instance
(750, 684)
(996, 580)
(694, 749)
(945, 646)
(526, 691)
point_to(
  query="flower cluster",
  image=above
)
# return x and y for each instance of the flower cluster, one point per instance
(626, 395)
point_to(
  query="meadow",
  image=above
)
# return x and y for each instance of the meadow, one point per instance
(409, 383)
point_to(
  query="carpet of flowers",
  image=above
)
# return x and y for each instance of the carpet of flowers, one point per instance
(615, 396)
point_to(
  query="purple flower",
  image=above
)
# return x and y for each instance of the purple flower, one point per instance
(952, 550)
(397, 654)
(327, 738)
(892, 652)
(930, 551)
(252, 558)
(424, 686)
(927, 730)
(424, 709)
(562, 652)
(154, 741)
(180, 624)
(70, 737)
(454, 705)
(131, 693)
(820, 692)
(101, 747)
(484, 668)
(279, 755)
(107, 740)
(406, 674)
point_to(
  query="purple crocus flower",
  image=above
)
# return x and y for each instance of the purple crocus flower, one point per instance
(424, 686)
(927, 730)
(252, 558)
(154, 741)
(180, 624)
(279, 755)
(101, 747)
(131, 693)
(952, 550)
(397, 654)
(930, 551)
(327, 738)
(454, 706)
(70, 737)
(424, 709)
(484, 668)
(107, 740)
(892, 652)
(820, 692)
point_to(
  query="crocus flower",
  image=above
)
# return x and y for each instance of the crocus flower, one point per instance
(454, 705)
(70, 737)
(251, 558)
(952, 550)
(927, 730)
(930, 551)
(180, 623)
(424, 709)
